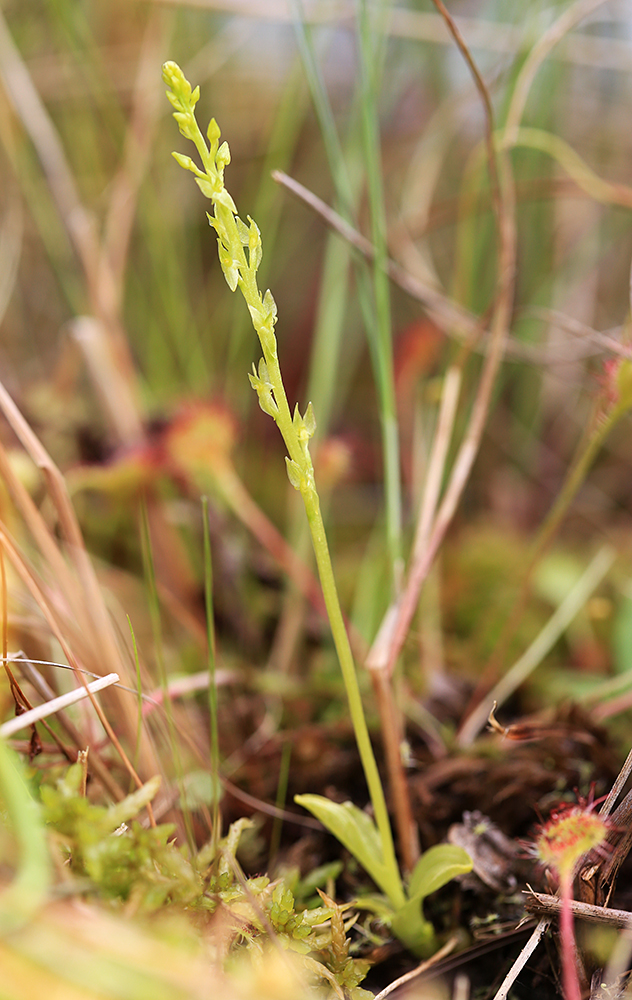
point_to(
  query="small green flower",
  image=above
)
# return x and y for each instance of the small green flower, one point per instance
(261, 383)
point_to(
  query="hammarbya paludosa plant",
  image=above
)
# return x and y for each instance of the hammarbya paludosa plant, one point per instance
(240, 254)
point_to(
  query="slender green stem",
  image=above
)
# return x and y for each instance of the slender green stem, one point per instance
(354, 698)
(212, 685)
(139, 691)
(576, 476)
(30, 886)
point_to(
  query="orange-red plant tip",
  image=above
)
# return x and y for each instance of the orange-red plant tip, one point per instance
(333, 461)
(200, 438)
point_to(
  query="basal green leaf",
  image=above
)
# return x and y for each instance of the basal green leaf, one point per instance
(357, 832)
(436, 867)
(411, 927)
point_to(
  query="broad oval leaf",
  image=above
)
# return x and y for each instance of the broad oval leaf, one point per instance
(358, 833)
(434, 869)
(438, 866)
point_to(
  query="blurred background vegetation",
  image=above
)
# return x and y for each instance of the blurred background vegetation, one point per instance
(97, 220)
(129, 357)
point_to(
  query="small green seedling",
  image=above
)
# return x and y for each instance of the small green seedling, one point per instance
(240, 253)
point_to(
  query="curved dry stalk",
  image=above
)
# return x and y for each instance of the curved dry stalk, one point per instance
(449, 316)
(76, 219)
(55, 705)
(542, 48)
(599, 190)
(522, 959)
(146, 109)
(445, 950)
(483, 91)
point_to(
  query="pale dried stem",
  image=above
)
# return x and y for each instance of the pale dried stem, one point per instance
(522, 959)
(419, 970)
(377, 662)
(55, 705)
(618, 786)
(438, 456)
(392, 732)
(77, 220)
(42, 133)
(98, 767)
(542, 48)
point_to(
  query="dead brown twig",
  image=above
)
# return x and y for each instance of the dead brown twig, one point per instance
(551, 906)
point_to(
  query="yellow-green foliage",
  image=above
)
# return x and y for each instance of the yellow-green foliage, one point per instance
(114, 857)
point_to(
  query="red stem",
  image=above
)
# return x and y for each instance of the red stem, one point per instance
(570, 978)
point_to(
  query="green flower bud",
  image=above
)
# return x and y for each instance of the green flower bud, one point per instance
(213, 132)
(206, 186)
(185, 161)
(222, 157)
(269, 306)
(294, 474)
(229, 267)
(255, 249)
(310, 420)
(263, 387)
(173, 76)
